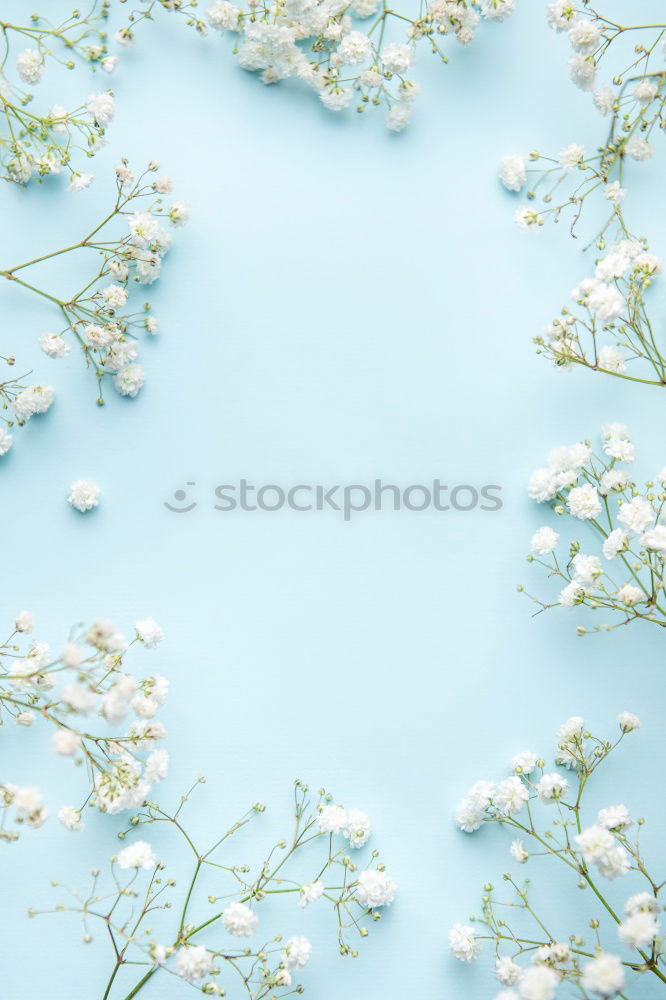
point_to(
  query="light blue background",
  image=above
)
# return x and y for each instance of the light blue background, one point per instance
(345, 304)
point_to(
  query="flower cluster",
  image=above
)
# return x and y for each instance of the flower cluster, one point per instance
(632, 100)
(36, 145)
(239, 895)
(326, 45)
(62, 692)
(533, 959)
(612, 330)
(627, 576)
(95, 318)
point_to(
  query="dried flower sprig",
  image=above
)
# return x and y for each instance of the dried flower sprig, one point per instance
(200, 949)
(62, 692)
(321, 43)
(613, 308)
(629, 524)
(634, 102)
(533, 958)
(94, 318)
(37, 144)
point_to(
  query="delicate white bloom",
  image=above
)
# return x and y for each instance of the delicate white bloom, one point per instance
(583, 71)
(594, 842)
(53, 345)
(528, 219)
(551, 787)
(115, 296)
(311, 893)
(571, 156)
(538, 983)
(614, 818)
(464, 943)
(617, 542)
(36, 399)
(639, 930)
(639, 149)
(332, 819)
(511, 796)
(497, 10)
(524, 762)
(636, 514)
(513, 172)
(469, 815)
(355, 48)
(544, 541)
(561, 14)
(239, 920)
(518, 852)
(628, 722)
(631, 595)
(613, 479)
(297, 952)
(645, 90)
(603, 975)
(357, 829)
(137, 855)
(336, 98)
(149, 632)
(375, 888)
(78, 697)
(80, 181)
(179, 213)
(101, 107)
(224, 16)
(399, 116)
(614, 193)
(584, 35)
(604, 99)
(612, 359)
(24, 622)
(605, 301)
(642, 902)
(193, 962)
(65, 742)
(30, 66)
(157, 765)
(507, 972)
(583, 502)
(70, 818)
(129, 380)
(586, 569)
(109, 64)
(397, 57)
(83, 495)
(6, 441)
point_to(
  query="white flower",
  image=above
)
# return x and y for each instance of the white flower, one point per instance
(612, 359)
(24, 622)
(642, 902)
(604, 975)
(157, 765)
(538, 983)
(115, 296)
(224, 16)
(561, 14)
(79, 181)
(628, 722)
(399, 116)
(551, 787)
(616, 542)
(397, 57)
(571, 156)
(65, 742)
(639, 930)
(598, 847)
(527, 219)
(137, 855)
(36, 399)
(639, 149)
(101, 107)
(129, 380)
(357, 829)
(604, 99)
(375, 888)
(6, 441)
(524, 762)
(584, 35)
(193, 962)
(239, 920)
(355, 48)
(512, 172)
(30, 66)
(645, 91)
(614, 193)
(149, 632)
(109, 63)
(70, 818)
(179, 214)
(464, 944)
(497, 10)
(83, 495)
(518, 852)
(311, 893)
(544, 541)
(53, 345)
(614, 818)
(296, 952)
(79, 698)
(583, 502)
(636, 514)
(605, 301)
(332, 819)
(631, 595)
(469, 815)
(336, 98)
(583, 70)
(587, 569)
(511, 795)
(613, 479)
(507, 972)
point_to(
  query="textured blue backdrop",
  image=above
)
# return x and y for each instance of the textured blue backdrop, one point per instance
(346, 304)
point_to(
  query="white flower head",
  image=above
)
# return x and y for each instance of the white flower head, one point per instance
(375, 888)
(464, 942)
(239, 920)
(83, 495)
(137, 855)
